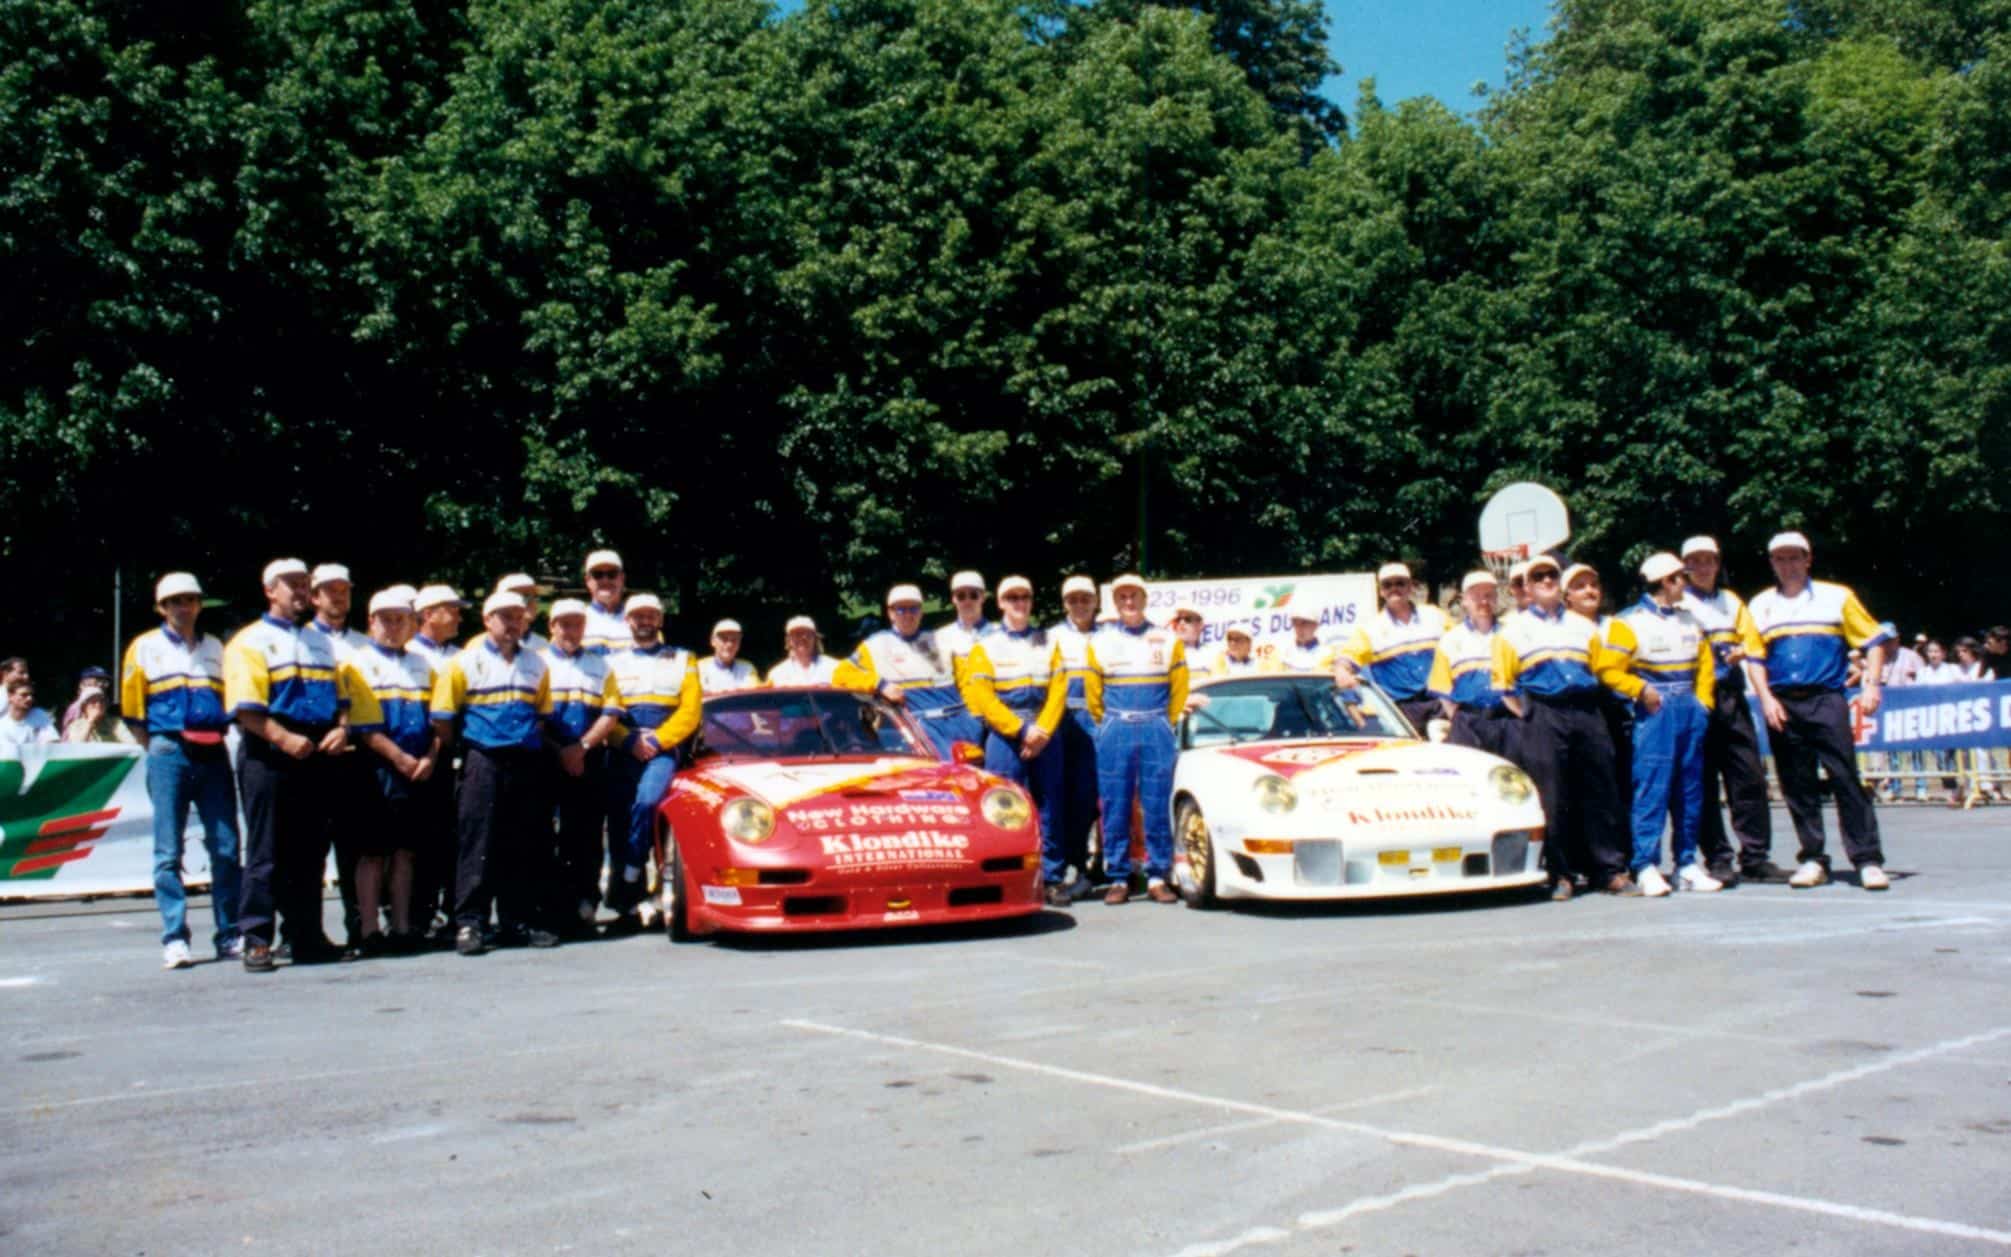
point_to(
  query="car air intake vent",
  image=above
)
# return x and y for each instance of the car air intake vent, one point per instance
(1247, 867)
(813, 906)
(1004, 864)
(972, 896)
(1474, 865)
(784, 877)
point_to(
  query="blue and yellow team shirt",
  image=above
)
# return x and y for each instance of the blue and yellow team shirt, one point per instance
(715, 677)
(1013, 677)
(955, 641)
(402, 683)
(288, 672)
(501, 703)
(1560, 654)
(656, 694)
(1396, 654)
(1665, 647)
(1136, 671)
(532, 640)
(917, 666)
(1803, 637)
(1073, 643)
(173, 683)
(1462, 667)
(439, 654)
(607, 631)
(582, 687)
(1312, 658)
(1729, 625)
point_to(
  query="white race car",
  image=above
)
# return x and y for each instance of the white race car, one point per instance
(1291, 788)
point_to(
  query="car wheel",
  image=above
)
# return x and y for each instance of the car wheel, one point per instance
(1199, 848)
(676, 917)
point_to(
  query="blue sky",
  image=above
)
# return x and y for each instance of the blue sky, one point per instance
(1425, 47)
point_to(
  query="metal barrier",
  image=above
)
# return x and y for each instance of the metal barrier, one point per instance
(1968, 778)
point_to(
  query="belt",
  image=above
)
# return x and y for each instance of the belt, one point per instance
(1135, 717)
(1802, 691)
(942, 713)
(1672, 687)
(1586, 700)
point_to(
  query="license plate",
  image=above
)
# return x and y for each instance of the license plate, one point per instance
(1446, 855)
(1394, 857)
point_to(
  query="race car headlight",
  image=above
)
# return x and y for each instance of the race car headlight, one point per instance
(1511, 783)
(747, 820)
(1006, 809)
(1275, 795)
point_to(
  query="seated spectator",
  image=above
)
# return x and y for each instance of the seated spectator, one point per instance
(1997, 653)
(95, 721)
(12, 669)
(1969, 658)
(89, 680)
(23, 722)
(1937, 670)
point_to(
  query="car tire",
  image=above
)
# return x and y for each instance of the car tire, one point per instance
(676, 911)
(1198, 845)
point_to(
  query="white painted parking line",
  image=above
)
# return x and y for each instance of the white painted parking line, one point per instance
(1516, 1160)
(1231, 1128)
(15, 984)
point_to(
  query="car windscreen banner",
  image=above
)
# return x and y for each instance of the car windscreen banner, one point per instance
(75, 820)
(1264, 604)
(1926, 718)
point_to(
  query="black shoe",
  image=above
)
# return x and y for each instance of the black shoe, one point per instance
(542, 938)
(258, 958)
(1723, 871)
(468, 941)
(408, 943)
(510, 936)
(1767, 873)
(1057, 896)
(622, 926)
(324, 953)
(373, 946)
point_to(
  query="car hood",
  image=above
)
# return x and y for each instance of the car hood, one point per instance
(785, 784)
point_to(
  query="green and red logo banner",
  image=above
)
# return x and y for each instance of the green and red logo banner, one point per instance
(74, 820)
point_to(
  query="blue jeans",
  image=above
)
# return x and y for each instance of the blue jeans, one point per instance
(634, 790)
(175, 779)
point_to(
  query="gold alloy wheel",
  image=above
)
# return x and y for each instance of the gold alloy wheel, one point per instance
(1194, 840)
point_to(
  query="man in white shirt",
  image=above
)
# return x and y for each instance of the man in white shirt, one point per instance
(23, 722)
(724, 671)
(806, 664)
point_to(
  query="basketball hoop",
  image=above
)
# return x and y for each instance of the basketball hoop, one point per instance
(1500, 561)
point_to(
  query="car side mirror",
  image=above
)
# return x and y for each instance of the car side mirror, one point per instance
(967, 753)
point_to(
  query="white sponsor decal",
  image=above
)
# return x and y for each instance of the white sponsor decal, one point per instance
(878, 815)
(783, 784)
(1408, 815)
(914, 848)
(724, 896)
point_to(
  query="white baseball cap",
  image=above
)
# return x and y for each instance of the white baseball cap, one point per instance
(1659, 566)
(1130, 580)
(799, 622)
(726, 626)
(1520, 571)
(325, 572)
(1078, 585)
(519, 582)
(502, 602)
(175, 584)
(900, 595)
(283, 567)
(1474, 580)
(643, 602)
(1186, 607)
(1577, 570)
(436, 596)
(406, 591)
(1303, 613)
(967, 580)
(601, 558)
(1789, 541)
(392, 599)
(1699, 545)
(1015, 585)
(1530, 566)
(1392, 571)
(565, 607)
(1238, 629)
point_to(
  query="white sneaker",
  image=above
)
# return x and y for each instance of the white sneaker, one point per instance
(176, 956)
(1810, 874)
(1692, 877)
(1872, 877)
(1653, 884)
(649, 914)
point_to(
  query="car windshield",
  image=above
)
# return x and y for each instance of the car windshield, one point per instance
(1249, 709)
(789, 724)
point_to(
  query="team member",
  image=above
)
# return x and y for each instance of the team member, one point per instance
(405, 751)
(1136, 685)
(1016, 683)
(1306, 652)
(1189, 626)
(498, 695)
(1548, 660)
(657, 699)
(1462, 674)
(171, 691)
(1803, 626)
(1731, 744)
(582, 685)
(291, 699)
(1584, 593)
(724, 671)
(353, 785)
(955, 639)
(1237, 658)
(805, 664)
(525, 586)
(438, 609)
(1078, 732)
(1395, 647)
(906, 664)
(1518, 585)
(1669, 653)
(607, 614)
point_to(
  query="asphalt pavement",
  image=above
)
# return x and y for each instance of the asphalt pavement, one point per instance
(1762, 1070)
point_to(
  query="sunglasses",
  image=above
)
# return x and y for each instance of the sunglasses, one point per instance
(1017, 598)
(1396, 584)
(1187, 619)
(1545, 575)
(906, 608)
(966, 595)
(604, 573)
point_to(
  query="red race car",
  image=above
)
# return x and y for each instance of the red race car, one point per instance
(821, 809)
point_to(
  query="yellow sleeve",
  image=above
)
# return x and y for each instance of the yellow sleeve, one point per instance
(1358, 651)
(1092, 683)
(979, 689)
(1177, 676)
(1707, 673)
(611, 694)
(450, 691)
(858, 672)
(1056, 706)
(543, 703)
(1612, 655)
(132, 684)
(1439, 683)
(1748, 633)
(246, 682)
(1507, 666)
(1858, 626)
(364, 710)
(690, 710)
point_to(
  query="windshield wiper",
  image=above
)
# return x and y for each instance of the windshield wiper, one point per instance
(1236, 737)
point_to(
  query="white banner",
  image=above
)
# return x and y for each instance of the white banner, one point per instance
(75, 820)
(1265, 604)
